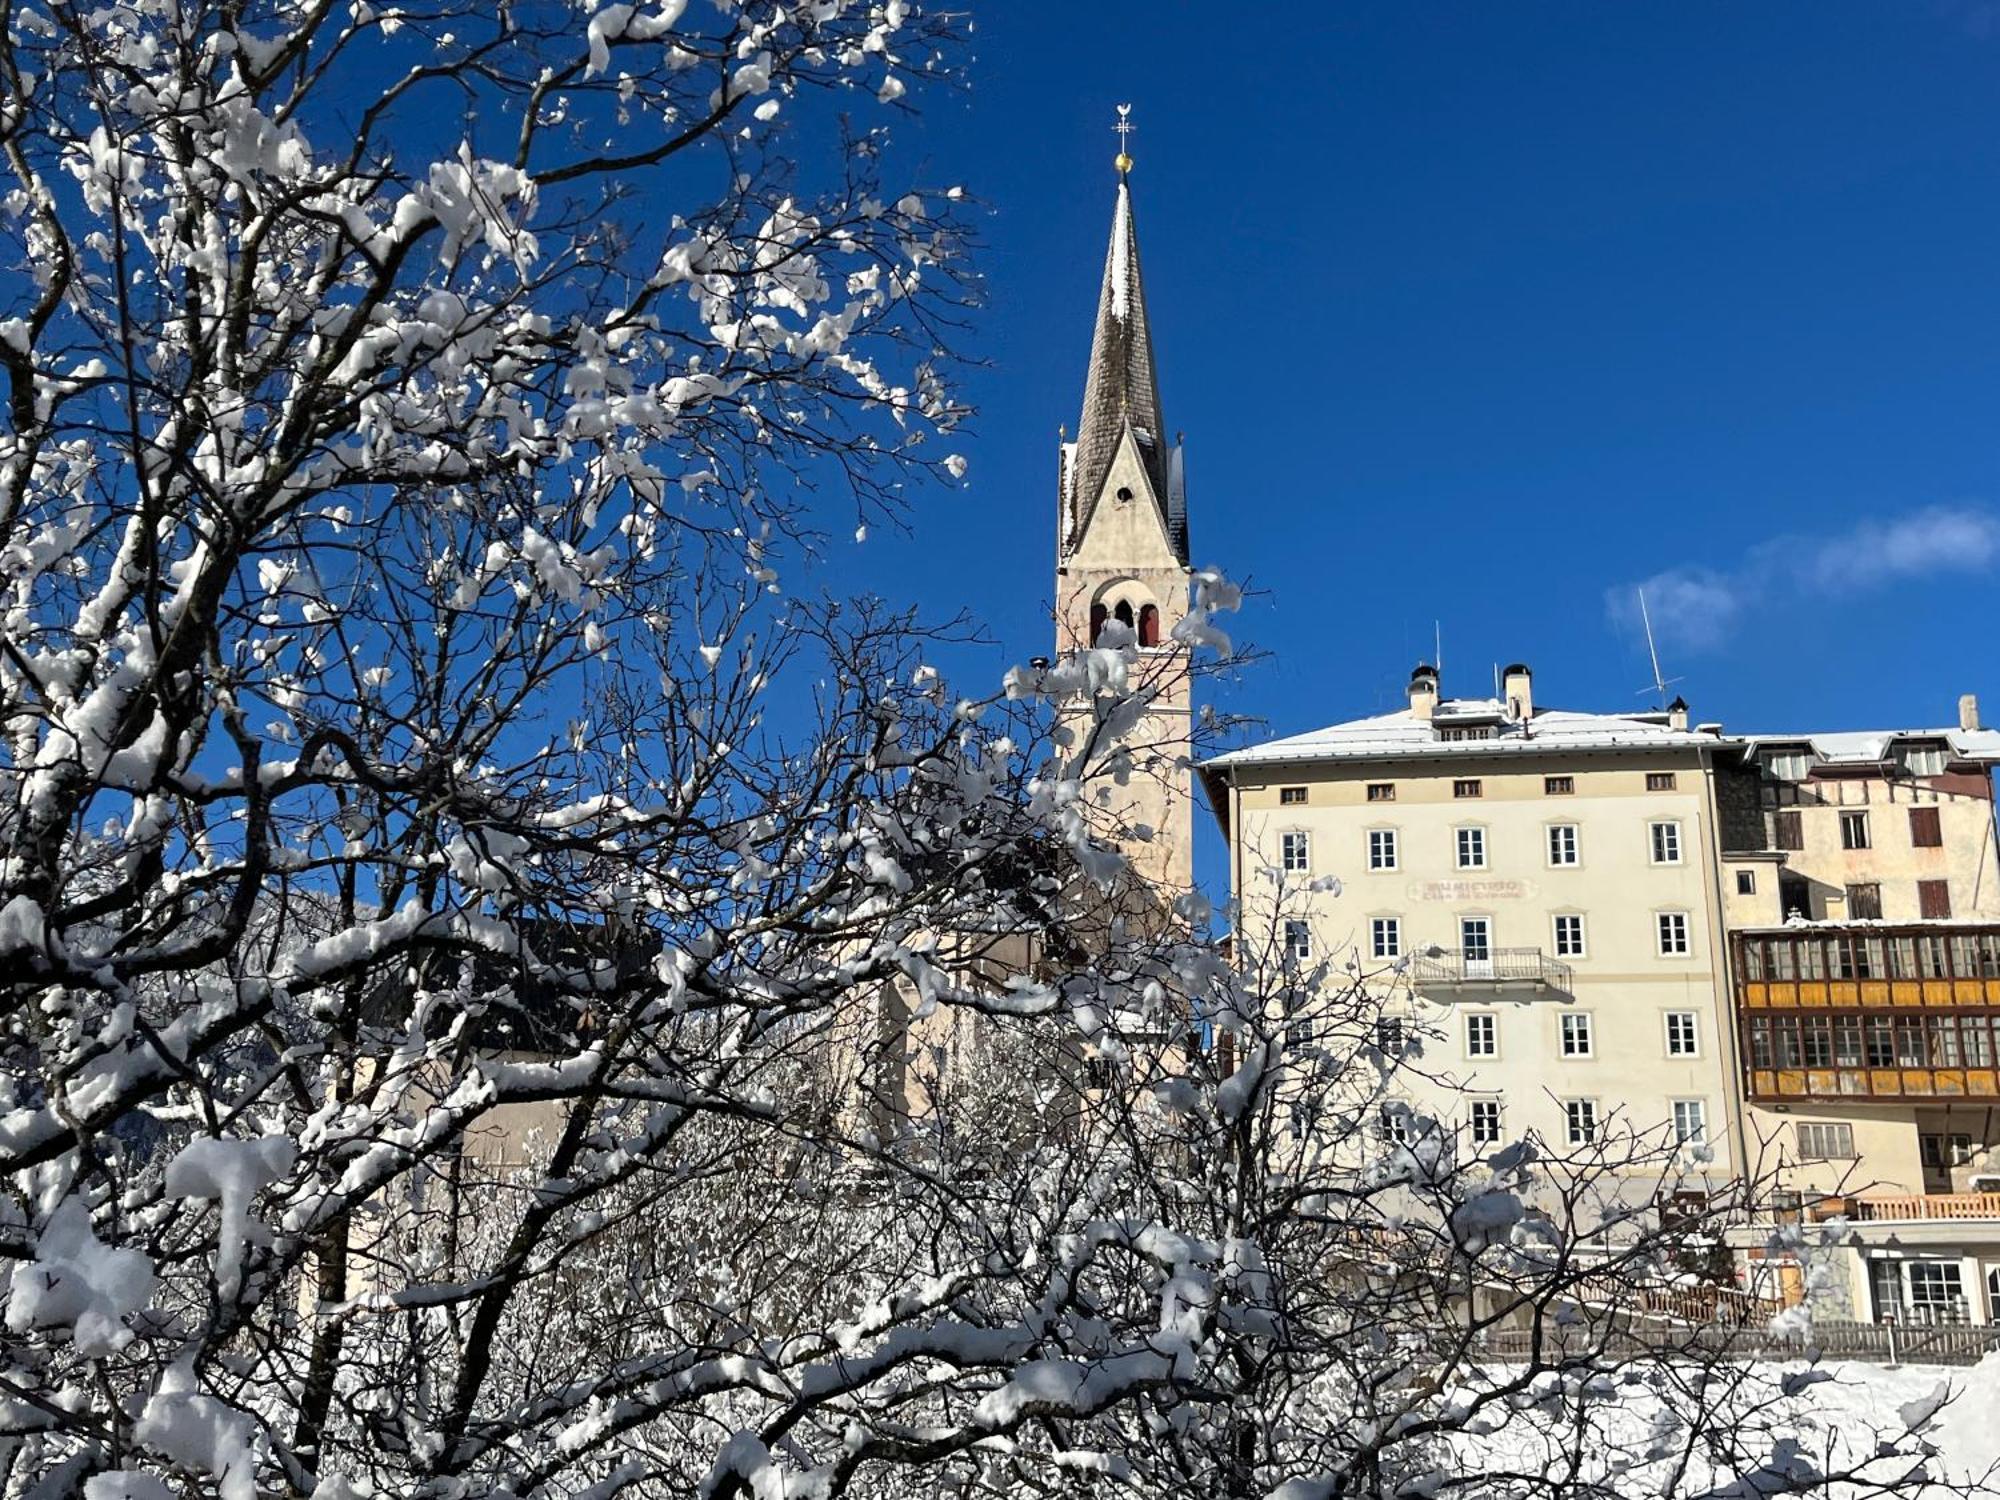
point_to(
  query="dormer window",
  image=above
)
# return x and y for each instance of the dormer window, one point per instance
(1788, 765)
(1467, 732)
(1920, 760)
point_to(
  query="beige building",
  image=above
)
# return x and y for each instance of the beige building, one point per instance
(1862, 894)
(1539, 887)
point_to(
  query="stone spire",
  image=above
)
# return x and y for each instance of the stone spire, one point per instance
(1121, 393)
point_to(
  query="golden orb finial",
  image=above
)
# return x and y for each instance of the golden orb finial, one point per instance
(1123, 160)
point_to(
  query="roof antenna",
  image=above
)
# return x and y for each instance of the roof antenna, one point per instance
(1437, 651)
(1660, 684)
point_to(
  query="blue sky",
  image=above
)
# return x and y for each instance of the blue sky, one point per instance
(1483, 313)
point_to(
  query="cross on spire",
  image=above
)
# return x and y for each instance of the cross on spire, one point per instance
(1124, 127)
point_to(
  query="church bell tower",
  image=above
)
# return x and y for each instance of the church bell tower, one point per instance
(1122, 556)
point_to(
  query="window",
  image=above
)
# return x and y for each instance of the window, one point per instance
(1921, 760)
(1385, 937)
(1788, 830)
(1788, 765)
(1389, 1036)
(1864, 902)
(1659, 781)
(1485, 1122)
(1825, 1141)
(1933, 898)
(1937, 1293)
(1562, 844)
(1291, 796)
(1576, 1033)
(1943, 1151)
(1472, 848)
(1381, 848)
(1794, 895)
(1683, 1034)
(1465, 789)
(1149, 625)
(1580, 1119)
(1475, 941)
(1673, 934)
(1690, 1122)
(1299, 1033)
(1381, 791)
(1473, 732)
(1482, 1034)
(1298, 940)
(1569, 935)
(1746, 882)
(1393, 1124)
(1558, 786)
(1666, 842)
(1854, 830)
(1925, 831)
(1295, 851)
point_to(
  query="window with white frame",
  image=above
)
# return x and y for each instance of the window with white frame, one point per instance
(1690, 1122)
(1854, 830)
(1295, 851)
(1482, 1034)
(1298, 940)
(1475, 940)
(1385, 937)
(1472, 848)
(1389, 1036)
(1485, 1122)
(1381, 848)
(1666, 840)
(1575, 1032)
(1673, 934)
(1825, 1140)
(1562, 844)
(1569, 935)
(1937, 1291)
(1683, 1034)
(1393, 1124)
(1580, 1121)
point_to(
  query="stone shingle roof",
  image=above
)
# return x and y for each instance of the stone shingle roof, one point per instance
(1121, 391)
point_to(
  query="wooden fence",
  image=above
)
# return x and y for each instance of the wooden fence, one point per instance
(1831, 1340)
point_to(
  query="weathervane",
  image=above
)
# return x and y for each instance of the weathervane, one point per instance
(1124, 127)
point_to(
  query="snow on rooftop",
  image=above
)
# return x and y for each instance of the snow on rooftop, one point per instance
(1869, 746)
(1403, 734)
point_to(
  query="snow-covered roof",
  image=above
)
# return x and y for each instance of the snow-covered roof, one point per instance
(1402, 735)
(1862, 747)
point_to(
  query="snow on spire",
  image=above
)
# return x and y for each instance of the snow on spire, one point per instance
(1121, 390)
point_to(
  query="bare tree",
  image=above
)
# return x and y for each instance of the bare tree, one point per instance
(445, 974)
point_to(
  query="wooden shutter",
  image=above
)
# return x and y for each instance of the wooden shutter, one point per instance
(1934, 898)
(1924, 830)
(1787, 829)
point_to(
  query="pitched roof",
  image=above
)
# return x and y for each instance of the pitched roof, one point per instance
(1121, 391)
(1864, 747)
(1402, 735)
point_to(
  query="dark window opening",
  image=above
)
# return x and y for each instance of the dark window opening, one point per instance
(1123, 613)
(1794, 895)
(1149, 625)
(1097, 618)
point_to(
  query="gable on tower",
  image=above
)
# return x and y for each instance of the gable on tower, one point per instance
(1121, 405)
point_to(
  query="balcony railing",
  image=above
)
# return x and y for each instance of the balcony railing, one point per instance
(1438, 968)
(1910, 1208)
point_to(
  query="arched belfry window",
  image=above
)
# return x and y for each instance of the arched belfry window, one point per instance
(1149, 625)
(1097, 618)
(1124, 613)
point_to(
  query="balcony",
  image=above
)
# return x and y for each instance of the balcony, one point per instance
(1925, 1208)
(1488, 968)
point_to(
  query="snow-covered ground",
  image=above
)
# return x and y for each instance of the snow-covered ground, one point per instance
(1636, 1445)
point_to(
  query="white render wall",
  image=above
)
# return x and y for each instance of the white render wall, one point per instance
(1621, 981)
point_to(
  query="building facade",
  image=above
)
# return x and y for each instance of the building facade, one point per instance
(1862, 892)
(1539, 889)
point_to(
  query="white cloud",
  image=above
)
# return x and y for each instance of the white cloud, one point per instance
(1698, 608)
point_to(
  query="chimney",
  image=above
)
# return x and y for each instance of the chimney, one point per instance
(1677, 713)
(1968, 711)
(1424, 691)
(1518, 687)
